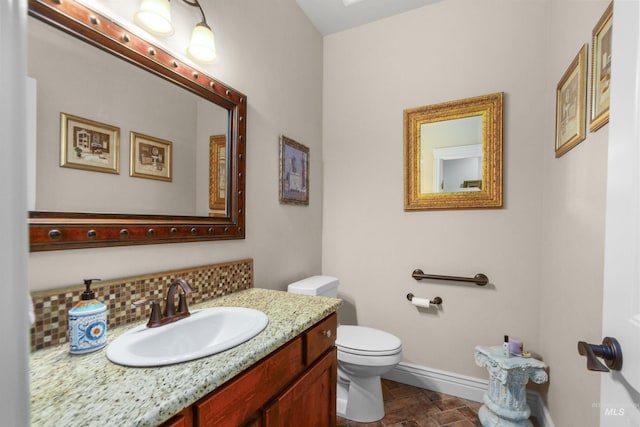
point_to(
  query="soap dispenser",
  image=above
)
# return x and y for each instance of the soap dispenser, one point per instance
(87, 323)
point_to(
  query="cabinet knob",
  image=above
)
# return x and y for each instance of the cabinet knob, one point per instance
(327, 333)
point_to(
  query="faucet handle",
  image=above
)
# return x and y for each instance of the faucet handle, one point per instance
(143, 301)
(154, 318)
(182, 304)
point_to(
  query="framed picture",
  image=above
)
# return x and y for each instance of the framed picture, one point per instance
(601, 71)
(571, 99)
(294, 172)
(89, 145)
(150, 157)
(218, 173)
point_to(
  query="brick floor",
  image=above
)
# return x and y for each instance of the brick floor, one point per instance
(409, 406)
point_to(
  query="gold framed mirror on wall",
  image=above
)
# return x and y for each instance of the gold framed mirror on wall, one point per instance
(453, 155)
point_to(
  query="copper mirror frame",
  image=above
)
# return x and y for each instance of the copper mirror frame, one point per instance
(71, 230)
(489, 196)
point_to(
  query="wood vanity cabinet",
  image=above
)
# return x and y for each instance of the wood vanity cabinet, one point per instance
(293, 386)
(183, 419)
(310, 401)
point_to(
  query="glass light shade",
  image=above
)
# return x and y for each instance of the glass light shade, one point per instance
(203, 46)
(155, 17)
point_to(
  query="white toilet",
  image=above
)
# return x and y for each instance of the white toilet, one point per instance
(364, 354)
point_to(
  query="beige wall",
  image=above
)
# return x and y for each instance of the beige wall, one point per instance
(273, 54)
(572, 243)
(542, 252)
(370, 243)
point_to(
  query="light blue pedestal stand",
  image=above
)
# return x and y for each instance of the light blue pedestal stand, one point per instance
(505, 403)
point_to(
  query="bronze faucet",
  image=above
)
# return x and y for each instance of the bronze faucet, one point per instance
(169, 314)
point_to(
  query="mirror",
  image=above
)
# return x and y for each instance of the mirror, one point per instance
(453, 154)
(217, 174)
(205, 136)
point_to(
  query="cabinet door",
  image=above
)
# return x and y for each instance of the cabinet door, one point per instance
(183, 419)
(238, 401)
(310, 401)
(256, 422)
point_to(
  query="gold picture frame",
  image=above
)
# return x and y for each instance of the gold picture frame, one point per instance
(571, 100)
(89, 145)
(150, 157)
(294, 172)
(601, 70)
(217, 174)
(429, 129)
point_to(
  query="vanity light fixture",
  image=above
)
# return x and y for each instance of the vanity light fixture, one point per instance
(155, 17)
(202, 46)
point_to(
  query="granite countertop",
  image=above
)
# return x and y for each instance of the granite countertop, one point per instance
(89, 390)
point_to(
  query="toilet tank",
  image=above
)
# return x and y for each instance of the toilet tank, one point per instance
(325, 286)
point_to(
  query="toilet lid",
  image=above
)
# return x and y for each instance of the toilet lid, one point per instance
(366, 341)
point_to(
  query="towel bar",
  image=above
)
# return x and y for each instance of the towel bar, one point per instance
(479, 279)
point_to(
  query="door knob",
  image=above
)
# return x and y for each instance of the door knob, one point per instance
(610, 351)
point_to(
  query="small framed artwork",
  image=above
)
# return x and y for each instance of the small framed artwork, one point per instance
(89, 145)
(571, 100)
(150, 157)
(601, 70)
(294, 172)
(217, 173)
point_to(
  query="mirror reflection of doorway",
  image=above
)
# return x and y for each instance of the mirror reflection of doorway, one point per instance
(448, 140)
(461, 175)
(458, 169)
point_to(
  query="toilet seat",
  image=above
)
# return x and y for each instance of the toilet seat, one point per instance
(364, 341)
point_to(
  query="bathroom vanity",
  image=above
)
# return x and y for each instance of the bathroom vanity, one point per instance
(287, 372)
(294, 383)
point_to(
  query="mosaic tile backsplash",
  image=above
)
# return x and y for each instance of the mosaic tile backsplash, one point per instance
(209, 281)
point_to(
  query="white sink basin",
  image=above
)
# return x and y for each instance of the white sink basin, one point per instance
(204, 333)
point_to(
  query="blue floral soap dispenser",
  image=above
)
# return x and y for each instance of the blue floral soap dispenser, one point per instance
(87, 323)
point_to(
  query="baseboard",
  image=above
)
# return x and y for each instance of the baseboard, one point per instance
(462, 386)
(441, 381)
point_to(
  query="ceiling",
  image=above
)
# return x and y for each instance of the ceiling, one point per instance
(330, 16)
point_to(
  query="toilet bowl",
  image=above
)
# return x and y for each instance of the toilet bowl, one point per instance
(364, 354)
